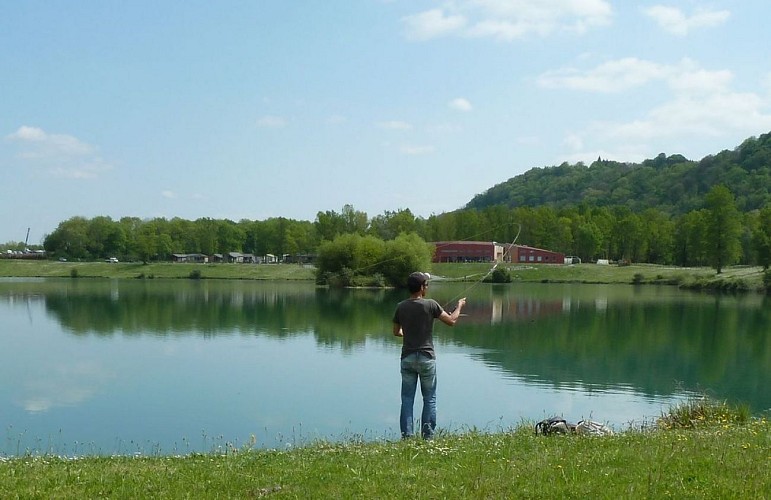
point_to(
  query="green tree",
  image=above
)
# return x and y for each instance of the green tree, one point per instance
(230, 237)
(355, 221)
(390, 224)
(658, 232)
(605, 220)
(69, 239)
(147, 242)
(405, 254)
(329, 225)
(131, 226)
(723, 228)
(183, 237)
(691, 239)
(335, 255)
(629, 237)
(206, 232)
(587, 241)
(761, 237)
(469, 226)
(440, 227)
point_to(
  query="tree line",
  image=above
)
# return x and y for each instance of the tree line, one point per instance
(717, 234)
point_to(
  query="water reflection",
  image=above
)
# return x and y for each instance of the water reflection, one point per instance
(72, 344)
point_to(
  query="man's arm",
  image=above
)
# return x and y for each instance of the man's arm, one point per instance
(398, 330)
(450, 319)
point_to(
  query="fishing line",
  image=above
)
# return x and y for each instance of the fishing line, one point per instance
(476, 283)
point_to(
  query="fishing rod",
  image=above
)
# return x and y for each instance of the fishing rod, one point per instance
(506, 251)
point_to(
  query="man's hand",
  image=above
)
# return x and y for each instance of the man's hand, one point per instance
(450, 319)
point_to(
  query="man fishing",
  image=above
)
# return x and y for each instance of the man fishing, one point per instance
(414, 322)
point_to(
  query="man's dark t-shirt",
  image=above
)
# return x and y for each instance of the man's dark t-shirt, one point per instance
(416, 317)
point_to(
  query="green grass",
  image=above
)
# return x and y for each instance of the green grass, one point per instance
(719, 458)
(124, 270)
(747, 278)
(735, 278)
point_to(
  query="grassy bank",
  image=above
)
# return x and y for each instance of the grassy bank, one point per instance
(130, 270)
(736, 278)
(719, 454)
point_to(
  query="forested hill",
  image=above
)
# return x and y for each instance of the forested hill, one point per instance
(673, 184)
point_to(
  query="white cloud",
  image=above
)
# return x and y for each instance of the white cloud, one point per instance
(612, 76)
(62, 155)
(51, 143)
(460, 104)
(269, 121)
(574, 142)
(395, 125)
(676, 22)
(711, 115)
(508, 19)
(169, 194)
(701, 104)
(697, 80)
(684, 118)
(627, 73)
(444, 129)
(416, 150)
(432, 24)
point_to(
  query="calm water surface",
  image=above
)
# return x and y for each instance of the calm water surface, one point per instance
(172, 367)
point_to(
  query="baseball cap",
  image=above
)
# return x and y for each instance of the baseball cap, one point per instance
(417, 279)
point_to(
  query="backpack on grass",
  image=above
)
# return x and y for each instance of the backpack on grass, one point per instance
(558, 425)
(554, 425)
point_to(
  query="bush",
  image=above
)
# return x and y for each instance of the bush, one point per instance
(407, 253)
(354, 260)
(348, 255)
(73, 273)
(499, 275)
(195, 274)
(638, 278)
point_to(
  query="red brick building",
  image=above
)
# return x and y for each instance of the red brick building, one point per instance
(523, 254)
(468, 251)
(489, 251)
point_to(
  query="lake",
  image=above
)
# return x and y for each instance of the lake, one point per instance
(178, 366)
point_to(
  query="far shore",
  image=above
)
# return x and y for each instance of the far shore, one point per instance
(734, 278)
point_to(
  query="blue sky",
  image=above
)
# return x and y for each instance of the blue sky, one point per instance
(258, 109)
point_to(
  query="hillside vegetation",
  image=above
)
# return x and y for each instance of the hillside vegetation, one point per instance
(671, 184)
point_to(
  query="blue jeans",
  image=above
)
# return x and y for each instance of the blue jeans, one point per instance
(418, 366)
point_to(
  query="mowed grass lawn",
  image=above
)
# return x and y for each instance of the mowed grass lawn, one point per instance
(129, 270)
(721, 459)
(734, 277)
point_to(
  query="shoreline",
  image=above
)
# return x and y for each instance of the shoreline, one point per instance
(732, 279)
